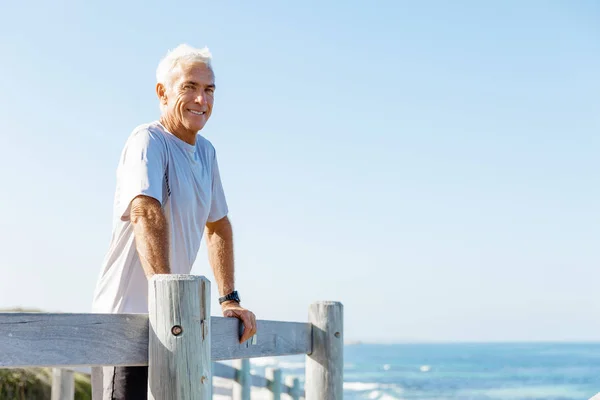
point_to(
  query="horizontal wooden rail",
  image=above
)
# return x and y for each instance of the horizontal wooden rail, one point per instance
(34, 339)
(225, 371)
(63, 382)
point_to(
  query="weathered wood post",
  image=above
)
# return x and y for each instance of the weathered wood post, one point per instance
(63, 384)
(294, 384)
(325, 364)
(274, 375)
(242, 387)
(179, 358)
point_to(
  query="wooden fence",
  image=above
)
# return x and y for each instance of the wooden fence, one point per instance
(180, 343)
(63, 386)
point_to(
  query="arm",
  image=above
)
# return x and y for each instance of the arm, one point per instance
(219, 239)
(151, 235)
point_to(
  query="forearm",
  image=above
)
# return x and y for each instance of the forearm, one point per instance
(219, 239)
(151, 236)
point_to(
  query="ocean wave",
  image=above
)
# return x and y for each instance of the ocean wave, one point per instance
(380, 388)
(360, 386)
(539, 391)
(378, 395)
(388, 397)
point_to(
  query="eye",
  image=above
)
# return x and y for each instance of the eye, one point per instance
(188, 87)
(210, 90)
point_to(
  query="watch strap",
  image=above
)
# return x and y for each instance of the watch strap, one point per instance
(231, 296)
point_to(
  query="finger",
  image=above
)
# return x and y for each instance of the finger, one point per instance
(254, 324)
(248, 326)
(252, 334)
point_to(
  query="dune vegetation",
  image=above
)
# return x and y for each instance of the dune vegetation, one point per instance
(36, 384)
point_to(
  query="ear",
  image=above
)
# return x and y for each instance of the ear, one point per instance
(161, 92)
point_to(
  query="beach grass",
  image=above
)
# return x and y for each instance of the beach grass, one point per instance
(36, 384)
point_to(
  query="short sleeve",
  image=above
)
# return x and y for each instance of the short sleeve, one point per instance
(141, 170)
(218, 205)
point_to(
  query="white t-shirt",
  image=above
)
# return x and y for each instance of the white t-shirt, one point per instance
(185, 179)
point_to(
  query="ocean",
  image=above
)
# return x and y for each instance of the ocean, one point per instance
(511, 371)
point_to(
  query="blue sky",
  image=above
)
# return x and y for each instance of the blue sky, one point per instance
(433, 166)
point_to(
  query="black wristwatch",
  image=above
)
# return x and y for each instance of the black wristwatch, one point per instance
(231, 296)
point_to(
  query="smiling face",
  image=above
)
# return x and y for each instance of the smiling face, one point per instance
(187, 100)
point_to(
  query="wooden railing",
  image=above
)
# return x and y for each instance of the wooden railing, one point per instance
(179, 341)
(63, 382)
(244, 381)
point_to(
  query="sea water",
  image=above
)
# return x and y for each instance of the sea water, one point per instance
(511, 371)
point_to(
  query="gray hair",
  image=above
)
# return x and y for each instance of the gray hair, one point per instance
(181, 55)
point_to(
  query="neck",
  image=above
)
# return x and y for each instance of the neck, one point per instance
(179, 131)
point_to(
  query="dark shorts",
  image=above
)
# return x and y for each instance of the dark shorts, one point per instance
(120, 383)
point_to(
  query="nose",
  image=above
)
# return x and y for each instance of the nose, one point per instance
(201, 98)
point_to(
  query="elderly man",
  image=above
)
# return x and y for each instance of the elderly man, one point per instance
(168, 194)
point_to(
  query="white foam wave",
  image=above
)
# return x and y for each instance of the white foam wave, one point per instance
(388, 397)
(375, 391)
(379, 395)
(360, 386)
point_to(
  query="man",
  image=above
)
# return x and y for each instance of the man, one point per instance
(168, 195)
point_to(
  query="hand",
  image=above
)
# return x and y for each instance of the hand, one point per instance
(233, 309)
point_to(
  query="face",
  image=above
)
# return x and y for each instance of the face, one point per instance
(188, 98)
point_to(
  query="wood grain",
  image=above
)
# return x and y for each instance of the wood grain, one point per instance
(273, 338)
(33, 339)
(325, 364)
(45, 340)
(179, 366)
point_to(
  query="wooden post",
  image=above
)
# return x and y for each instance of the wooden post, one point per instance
(63, 384)
(242, 387)
(325, 364)
(179, 353)
(274, 375)
(294, 384)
